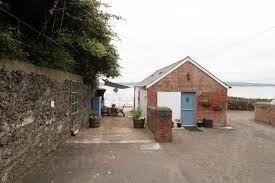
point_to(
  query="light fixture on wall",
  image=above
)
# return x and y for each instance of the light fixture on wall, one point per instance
(115, 90)
(188, 77)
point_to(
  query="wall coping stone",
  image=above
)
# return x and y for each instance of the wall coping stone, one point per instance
(264, 104)
(163, 109)
(58, 75)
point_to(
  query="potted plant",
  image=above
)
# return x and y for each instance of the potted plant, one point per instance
(94, 120)
(206, 103)
(74, 131)
(208, 123)
(138, 119)
(178, 123)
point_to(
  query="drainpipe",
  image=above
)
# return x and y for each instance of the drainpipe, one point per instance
(134, 97)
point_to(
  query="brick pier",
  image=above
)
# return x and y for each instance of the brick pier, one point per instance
(265, 112)
(159, 121)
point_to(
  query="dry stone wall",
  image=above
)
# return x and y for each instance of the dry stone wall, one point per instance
(36, 114)
(243, 104)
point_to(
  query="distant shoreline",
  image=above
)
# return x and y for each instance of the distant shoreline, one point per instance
(241, 84)
(249, 84)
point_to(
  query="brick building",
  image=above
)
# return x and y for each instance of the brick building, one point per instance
(192, 92)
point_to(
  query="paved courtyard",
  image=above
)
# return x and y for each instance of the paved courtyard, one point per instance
(116, 152)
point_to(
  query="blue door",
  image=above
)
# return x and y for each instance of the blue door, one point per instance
(96, 105)
(188, 108)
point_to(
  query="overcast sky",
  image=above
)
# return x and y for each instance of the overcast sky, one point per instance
(235, 40)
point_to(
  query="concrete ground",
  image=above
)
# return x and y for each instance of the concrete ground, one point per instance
(118, 153)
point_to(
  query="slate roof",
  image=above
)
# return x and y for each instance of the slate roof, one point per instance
(157, 74)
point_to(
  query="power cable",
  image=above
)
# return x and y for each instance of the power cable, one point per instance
(29, 26)
(35, 30)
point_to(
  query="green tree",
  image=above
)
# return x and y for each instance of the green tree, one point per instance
(79, 36)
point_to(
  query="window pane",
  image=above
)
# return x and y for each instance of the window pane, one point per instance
(74, 102)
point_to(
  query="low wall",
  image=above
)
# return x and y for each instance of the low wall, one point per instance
(265, 112)
(36, 114)
(243, 104)
(159, 121)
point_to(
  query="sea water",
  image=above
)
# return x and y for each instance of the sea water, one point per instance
(126, 96)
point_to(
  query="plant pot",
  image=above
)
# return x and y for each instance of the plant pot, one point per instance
(94, 122)
(74, 131)
(139, 123)
(200, 124)
(208, 123)
(179, 125)
(217, 108)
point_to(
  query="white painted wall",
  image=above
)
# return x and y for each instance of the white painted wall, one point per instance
(120, 98)
(141, 99)
(171, 100)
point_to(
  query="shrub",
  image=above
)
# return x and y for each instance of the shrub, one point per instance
(11, 45)
(137, 114)
(93, 115)
(79, 41)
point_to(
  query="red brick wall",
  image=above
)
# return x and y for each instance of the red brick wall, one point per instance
(265, 113)
(159, 121)
(204, 86)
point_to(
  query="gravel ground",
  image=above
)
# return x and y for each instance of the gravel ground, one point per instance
(245, 153)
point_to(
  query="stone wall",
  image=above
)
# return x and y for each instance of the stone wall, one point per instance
(159, 121)
(243, 104)
(265, 112)
(36, 114)
(205, 87)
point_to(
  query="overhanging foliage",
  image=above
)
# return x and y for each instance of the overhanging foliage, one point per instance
(80, 31)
